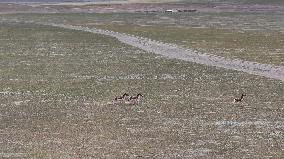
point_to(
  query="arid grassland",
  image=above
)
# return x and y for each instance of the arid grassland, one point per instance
(57, 87)
(253, 37)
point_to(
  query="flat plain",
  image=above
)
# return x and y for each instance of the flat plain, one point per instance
(57, 87)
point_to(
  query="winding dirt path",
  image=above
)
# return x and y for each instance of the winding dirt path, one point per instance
(177, 52)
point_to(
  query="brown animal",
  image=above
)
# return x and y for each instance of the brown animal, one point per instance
(120, 98)
(135, 98)
(239, 99)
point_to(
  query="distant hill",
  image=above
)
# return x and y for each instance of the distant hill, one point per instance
(52, 1)
(147, 1)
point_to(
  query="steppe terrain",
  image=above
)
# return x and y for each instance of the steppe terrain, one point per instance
(60, 69)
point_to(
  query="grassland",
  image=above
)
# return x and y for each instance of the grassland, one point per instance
(261, 48)
(236, 1)
(252, 41)
(251, 37)
(57, 86)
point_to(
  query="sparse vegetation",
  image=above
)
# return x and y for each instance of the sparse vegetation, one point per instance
(57, 86)
(252, 37)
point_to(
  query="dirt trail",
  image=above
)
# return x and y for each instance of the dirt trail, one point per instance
(177, 52)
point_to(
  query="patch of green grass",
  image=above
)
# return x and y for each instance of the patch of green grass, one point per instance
(258, 1)
(253, 47)
(236, 1)
(252, 37)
